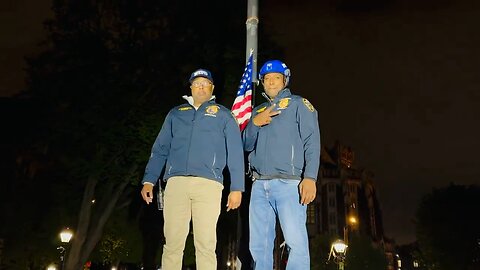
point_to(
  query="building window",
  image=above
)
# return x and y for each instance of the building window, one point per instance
(331, 187)
(331, 202)
(352, 188)
(332, 219)
(311, 214)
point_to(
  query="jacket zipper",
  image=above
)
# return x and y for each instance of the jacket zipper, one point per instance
(267, 135)
(190, 141)
(213, 164)
(293, 156)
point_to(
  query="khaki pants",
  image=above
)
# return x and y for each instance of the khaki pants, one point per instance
(186, 198)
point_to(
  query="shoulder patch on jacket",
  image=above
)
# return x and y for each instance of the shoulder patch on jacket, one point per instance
(184, 108)
(261, 109)
(308, 104)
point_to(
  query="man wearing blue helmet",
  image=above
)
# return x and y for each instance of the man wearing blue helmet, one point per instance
(283, 139)
(197, 141)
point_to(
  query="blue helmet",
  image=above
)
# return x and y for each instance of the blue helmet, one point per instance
(276, 66)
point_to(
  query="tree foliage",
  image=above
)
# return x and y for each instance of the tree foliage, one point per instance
(319, 250)
(109, 72)
(448, 231)
(362, 254)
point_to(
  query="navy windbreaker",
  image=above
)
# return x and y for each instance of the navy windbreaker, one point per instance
(198, 143)
(288, 147)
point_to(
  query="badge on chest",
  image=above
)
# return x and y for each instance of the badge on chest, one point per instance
(212, 110)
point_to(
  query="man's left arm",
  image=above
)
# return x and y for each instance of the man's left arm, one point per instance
(307, 118)
(235, 163)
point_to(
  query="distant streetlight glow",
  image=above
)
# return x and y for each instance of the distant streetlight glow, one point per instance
(339, 247)
(66, 235)
(339, 251)
(51, 267)
(352, 220)
(399, 261)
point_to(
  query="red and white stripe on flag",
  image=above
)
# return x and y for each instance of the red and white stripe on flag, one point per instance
(242, 106)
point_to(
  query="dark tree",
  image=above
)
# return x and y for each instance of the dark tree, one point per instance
(448, 230)
(108, 74)
(364, 254)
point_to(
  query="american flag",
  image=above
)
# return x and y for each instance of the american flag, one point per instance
(242, 106)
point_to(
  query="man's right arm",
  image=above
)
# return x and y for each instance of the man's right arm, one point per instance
(258, 119)
(249, 136)
(159, 153)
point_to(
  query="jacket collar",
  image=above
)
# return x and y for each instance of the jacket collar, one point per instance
(285, 92)
(190, 100)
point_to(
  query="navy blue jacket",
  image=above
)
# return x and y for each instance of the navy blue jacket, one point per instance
(198, 143)
(288, 147)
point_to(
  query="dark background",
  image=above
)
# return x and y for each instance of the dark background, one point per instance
(398, 82)
(395, 80)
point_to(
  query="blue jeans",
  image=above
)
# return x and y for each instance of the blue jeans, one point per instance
(278, 197)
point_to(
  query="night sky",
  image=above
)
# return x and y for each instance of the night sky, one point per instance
(21, 31)
(398, 83)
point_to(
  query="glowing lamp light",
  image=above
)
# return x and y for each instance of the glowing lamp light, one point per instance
(352, 220)
(339, 247)
(66, 235)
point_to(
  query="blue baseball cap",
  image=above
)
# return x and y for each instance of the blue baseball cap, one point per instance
(201, 73)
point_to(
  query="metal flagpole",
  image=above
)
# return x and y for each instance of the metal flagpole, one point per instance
(252, 41)
(251, 48)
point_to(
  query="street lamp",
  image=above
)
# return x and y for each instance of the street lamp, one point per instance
(351, 224)
(65, 236)
(339, 251)
(339, 248)
(352, 220)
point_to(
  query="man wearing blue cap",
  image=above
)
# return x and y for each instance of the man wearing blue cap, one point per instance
(283, 139)
(197, 141)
